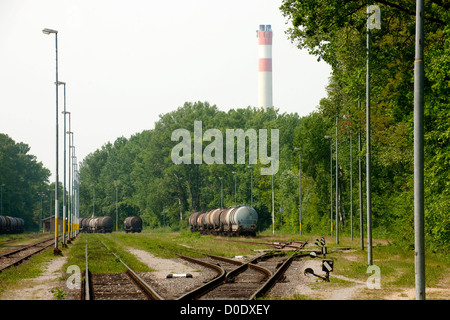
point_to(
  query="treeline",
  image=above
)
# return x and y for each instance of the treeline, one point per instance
(23, 181)
(151, 185)
(335, 31)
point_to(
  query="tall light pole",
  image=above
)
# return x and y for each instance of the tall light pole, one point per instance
(93, 201)
(234, 173)
(64, 156)
(373, 22)
(273, 200)
(251, 185)
(331, 181)
(299, 188)
(117, 208)
(56, 250)
(361, 226)
(1, 199)
(69, 198)
(419, 241)
(337, 180)
(221, 192)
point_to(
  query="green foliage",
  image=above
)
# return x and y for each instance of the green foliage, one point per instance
(151, 185)
(23, 179)
(335, 31)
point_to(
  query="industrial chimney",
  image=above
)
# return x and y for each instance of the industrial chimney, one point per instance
(264, 35)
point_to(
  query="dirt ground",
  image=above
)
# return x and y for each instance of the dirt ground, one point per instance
(38, 288)
(295, 282)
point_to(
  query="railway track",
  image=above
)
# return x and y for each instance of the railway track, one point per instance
(236, 280)
(116, 286)
(17, 256)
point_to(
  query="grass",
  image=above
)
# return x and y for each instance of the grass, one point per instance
(32, 268)
(101, 259)
(7, 240)
(396, 263)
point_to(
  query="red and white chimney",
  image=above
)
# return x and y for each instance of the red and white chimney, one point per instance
(264, 35)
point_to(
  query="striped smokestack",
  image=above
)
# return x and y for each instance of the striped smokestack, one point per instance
(264, 35)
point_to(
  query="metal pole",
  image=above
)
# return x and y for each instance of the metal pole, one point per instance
(93, 201)
(299, 189)
(419, 241)
(56, 250)
(368, 180)
(351, 187)
(221, 192)
(251, 185)
(337, 181)
(251, 188)
(273, 206)
(361, 226)
(117, 210)
(69, 209)
(1, 212)
(235, 189)
(331, 181)
(64, 182)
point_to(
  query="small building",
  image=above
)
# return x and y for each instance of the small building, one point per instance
(48, 224)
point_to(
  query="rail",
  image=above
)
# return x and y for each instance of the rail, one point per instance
(144, 286)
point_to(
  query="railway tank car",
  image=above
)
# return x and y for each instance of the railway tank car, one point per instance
(11, 224)
(240, 220)
(96, 225)
(132, 224)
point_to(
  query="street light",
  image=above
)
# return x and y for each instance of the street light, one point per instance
(331, 181)
(273, 201)
(234, 172)
(117, 208)
(251, 185)
(221, 192)
(299, 188)
(64, 181)
(1, 202)
(69, 197)
(47, 31)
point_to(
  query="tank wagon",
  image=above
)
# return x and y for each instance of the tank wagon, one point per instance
(11, 224)
(96, 225)
(240, 220)
(132, 224)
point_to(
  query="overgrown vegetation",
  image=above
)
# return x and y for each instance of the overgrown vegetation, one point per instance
(23, 180)
(151, 185)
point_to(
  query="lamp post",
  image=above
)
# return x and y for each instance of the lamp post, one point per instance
(251, 185)
(419, 202)
(1, 201)
(64, 156)
(93, 201)
(273, 200)
(234, 173)
(299, 188)
(331, 181)
(221, 192)
(47, 31)
(69, 198)
(117, 208)
(373, 22)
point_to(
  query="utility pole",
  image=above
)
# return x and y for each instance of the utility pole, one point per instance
(419, 242)
(373, 22)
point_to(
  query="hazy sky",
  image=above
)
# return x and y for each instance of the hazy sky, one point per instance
(126, 62)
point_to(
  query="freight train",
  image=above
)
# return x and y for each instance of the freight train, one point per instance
(96, 225)
(240, 220)
(132, 224)
(11, 225)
